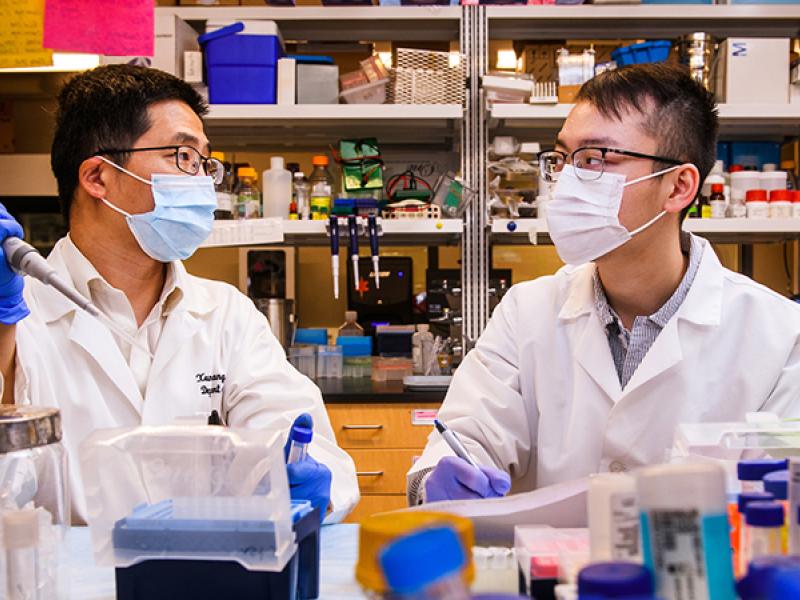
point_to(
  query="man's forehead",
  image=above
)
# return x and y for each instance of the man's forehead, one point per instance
(587, 126)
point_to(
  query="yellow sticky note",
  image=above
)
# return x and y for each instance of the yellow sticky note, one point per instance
(21, 34)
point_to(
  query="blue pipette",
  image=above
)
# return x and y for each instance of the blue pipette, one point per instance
(372, 226)
(334, 227)
(352, 226)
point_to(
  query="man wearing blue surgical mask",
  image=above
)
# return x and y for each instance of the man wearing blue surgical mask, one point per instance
(136, 185)
(594, 368)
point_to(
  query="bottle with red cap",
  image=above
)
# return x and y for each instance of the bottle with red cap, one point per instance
(757, 204)
(780, 204)
(717, 201)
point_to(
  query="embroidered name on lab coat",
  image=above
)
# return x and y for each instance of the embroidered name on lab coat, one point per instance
(210, 383)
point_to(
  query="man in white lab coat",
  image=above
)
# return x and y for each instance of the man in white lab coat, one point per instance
(593, 368)
(137, 188)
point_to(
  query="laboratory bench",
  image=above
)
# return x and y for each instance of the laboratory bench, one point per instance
(384, 429)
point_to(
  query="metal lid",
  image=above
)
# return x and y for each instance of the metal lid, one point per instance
(23, 427)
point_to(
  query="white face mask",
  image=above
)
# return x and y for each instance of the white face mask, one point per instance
(583, 216)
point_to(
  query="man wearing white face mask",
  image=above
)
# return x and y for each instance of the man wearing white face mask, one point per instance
(593, 368)
(137, 189)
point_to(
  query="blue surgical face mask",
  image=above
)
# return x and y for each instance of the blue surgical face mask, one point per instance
(181, 220)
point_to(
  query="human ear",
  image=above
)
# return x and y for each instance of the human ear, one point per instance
(93, 174)
(685, 184)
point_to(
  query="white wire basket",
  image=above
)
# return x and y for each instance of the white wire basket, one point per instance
(427, 77)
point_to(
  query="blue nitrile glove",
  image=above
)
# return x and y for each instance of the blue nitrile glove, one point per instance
(12, 306)
(308, 479)
(455, 479)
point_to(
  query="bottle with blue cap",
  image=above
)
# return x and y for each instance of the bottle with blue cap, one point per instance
(298, 447)
(760, 581)
(740, 547)
(628, 580)
(765, 522)
(751, 472)
(425, 565)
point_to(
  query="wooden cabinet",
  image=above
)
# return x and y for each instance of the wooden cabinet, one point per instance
(384, 439)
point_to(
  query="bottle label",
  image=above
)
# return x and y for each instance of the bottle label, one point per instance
(689, 554)
(705, 212)
(625, 527)
(224, 201)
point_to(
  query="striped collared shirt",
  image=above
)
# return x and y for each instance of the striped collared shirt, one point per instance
(628, 348)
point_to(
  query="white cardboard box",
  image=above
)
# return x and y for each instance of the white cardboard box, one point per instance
(753, 71)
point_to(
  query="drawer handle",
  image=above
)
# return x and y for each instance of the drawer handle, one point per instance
(362, 426)
(369, 473)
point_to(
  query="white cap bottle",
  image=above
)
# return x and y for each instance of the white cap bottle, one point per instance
(277, 182)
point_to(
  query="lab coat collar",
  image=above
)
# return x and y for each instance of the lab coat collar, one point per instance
(53, 306)
(703, 303)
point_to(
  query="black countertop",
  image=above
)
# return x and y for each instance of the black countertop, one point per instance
(363, 389)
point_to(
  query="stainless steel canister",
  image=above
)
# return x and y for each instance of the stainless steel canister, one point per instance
(280, 314)
(698, 51)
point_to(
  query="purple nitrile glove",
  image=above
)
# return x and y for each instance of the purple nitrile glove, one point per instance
(12, 306)
(455, 479)
(309, 479)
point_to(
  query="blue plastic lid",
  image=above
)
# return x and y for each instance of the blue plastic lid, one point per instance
(355, 345)
(761, 575)
(777, 484)
(785, 584)
(746, 498)
(415, 561)
(764, 514)
(302, 435)
(318, 336)
(306, 59)
(754, 470)
(613, 579)
(220, 33)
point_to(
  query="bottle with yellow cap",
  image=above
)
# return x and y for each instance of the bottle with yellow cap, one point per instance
(248, 198)
(225, 195)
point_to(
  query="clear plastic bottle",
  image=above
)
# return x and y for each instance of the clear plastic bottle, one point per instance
(765, 521)
(298, 447)
(425, 565)
(301, 194)
(225, 195)
(350, 327)
(322, 188)
(422, 349)
(248, 198)
(277, 182)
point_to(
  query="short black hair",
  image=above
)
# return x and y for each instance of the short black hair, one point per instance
(108, 107)
(677, 111)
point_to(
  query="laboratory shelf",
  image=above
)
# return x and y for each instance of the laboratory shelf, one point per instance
(340, 24)
(311, 126)
(588, 21)
(777, 120)
(534, 231)
(396, 232)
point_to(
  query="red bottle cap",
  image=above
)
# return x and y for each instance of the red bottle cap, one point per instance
(717, 188)
(781, 195)
(756, 196)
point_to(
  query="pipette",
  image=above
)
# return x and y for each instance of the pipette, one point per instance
(352, 226)
(334, 227)
(24, 259)
(372, 226)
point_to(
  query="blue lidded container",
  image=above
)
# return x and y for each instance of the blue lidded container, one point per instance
(614, 580)
(777, 484)
(414, 562)
(762, 576)
(764, 514)
(317, 336)
(746, 498)
(755, 470)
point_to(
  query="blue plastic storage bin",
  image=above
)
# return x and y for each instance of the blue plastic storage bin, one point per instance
(241, 68)
(316, 336)
(646, 52)
(754, 154)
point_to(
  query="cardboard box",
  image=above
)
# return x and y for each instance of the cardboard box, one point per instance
(567, 93)
(753, 71)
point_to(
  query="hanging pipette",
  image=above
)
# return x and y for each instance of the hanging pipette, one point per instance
(372, 226)
(24, 259)
(352, 226)
(334, 227)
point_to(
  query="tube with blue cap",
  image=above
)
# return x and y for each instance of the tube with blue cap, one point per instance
(352, 227)
(334, 231)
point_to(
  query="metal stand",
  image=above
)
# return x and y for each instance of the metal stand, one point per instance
(475, 245)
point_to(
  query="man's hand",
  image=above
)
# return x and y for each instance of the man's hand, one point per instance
(308, 479)
(455, 479)
(12, 306)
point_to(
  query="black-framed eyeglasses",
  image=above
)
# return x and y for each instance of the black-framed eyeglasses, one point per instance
(589, 161)
(188, 160)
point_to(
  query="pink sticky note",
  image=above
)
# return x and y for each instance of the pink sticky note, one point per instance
(110, 27)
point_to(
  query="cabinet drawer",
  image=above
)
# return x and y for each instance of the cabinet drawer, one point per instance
(369, 505)
(383, 471)
(380, 425)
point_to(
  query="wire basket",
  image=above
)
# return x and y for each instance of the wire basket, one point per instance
(426, 77)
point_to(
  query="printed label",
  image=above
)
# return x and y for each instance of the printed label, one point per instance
(423, 416)
(677, 553)
(625, 527)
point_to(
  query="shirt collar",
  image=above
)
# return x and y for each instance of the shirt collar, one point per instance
(689, 244)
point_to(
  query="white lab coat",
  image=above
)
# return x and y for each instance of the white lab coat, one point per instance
(539, 396)
(67, 359)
